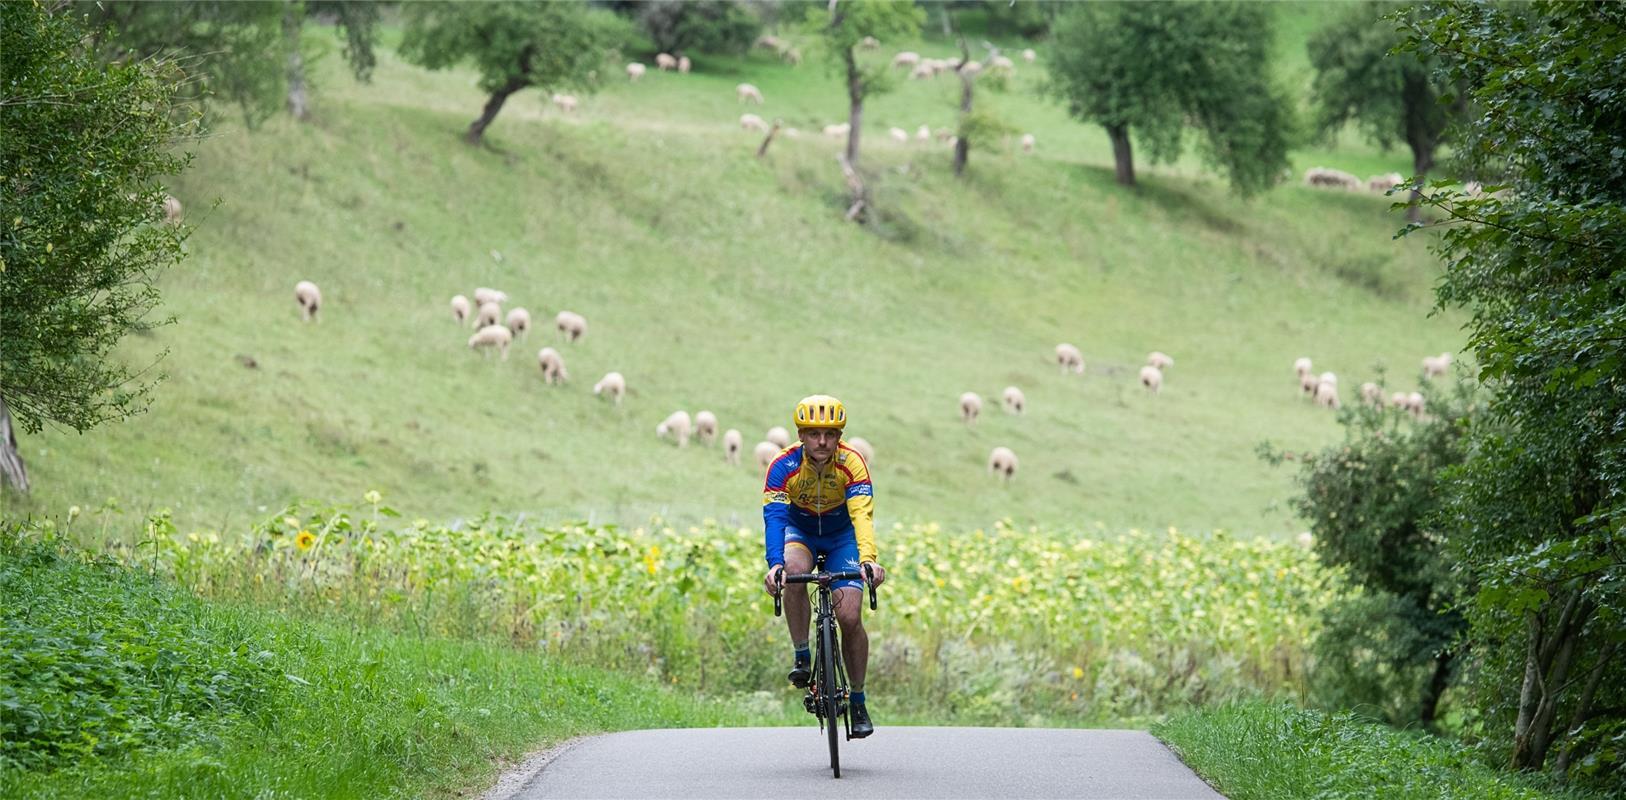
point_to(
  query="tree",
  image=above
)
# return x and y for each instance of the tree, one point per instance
(1538, 509)
(839, 32)
(975, 125)
(1391, 96)
(356, 21)
(83, 146)
(514, 45)
(1154, 68)
(699, 26)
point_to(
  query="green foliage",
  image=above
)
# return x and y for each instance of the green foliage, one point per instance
(837, 37)
(84, 147)
(683, 27)
(1538, 511)
(1027, 18)
(1155, 68)
(1262, 751)
(356, 21)
(982, 128)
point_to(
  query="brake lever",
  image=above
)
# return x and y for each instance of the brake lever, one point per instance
(780, 581)
(869, 581)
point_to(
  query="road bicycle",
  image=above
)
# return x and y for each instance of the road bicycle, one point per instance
(826, 697)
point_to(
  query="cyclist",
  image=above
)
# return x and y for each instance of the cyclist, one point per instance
(817, 501)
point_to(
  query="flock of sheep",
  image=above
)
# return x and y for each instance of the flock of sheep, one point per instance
(1322, 177)
(1322, 389)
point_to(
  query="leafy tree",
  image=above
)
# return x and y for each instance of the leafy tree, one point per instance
(699, 26)
(356, 21)
(1372, 503)
(1154, 68)
(1028, 18)
(1391, 96)
(514, 45)
(1538, 510)
(83, 147)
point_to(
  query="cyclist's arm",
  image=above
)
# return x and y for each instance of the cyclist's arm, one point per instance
(775, 511)
(861, 507)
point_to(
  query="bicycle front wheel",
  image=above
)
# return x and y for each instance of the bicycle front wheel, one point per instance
(828, 690)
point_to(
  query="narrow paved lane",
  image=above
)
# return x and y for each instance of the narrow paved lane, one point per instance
(897, 762)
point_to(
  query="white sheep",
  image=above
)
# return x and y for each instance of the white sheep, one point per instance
(837, 130)
(492, 336)
(746, 93)
(1332, 178)
(1159, 359)
(1307, 383)
(460, 308)
(922, 72)
(483, 295)
(733, 442)
(923, 133)
(1151, 378)
(906, 59)
(309, 297)
(1301, 366)
(1305, 540)
(1070, 359)
(869, 43)
(1414, 404)
(1398, 401)
(971, 68)
(1383, 183)
(552, 365)
(1002, 462)
(863, 447)
(779, 436)
(676, 425)
(769, 42)
(612, 384)
(565, 102)
(489, 314)
(1027, 142)
(518, 321)
(752, 122)
(899, 135)
(1372, 394)
(765, 453)
(635, 71)
(572, 326)
(1028, 55)
(1326, 393)
(172, 209)
(705, 427)
(1015, 402)
(684, 65)
(665, 62)
(970, 407)
(1328, 377)
(1435, 366)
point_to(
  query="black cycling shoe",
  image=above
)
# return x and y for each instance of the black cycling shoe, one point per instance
(800, 675)
(861, 725)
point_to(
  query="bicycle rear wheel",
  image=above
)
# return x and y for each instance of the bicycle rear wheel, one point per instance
(828, 689)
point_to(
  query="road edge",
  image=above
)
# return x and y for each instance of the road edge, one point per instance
(511, 782)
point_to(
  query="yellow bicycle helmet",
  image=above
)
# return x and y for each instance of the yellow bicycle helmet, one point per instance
(821, 411)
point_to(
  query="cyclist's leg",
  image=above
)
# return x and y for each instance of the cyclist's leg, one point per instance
(798, 610)
(849, 602)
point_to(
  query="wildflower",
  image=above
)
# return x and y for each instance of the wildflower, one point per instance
(305, 540)
(292, 522)
(73, 513)
(1078, 674)
(373, 497)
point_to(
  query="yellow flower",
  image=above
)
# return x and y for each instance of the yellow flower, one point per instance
(305, 540)
(1078, 673)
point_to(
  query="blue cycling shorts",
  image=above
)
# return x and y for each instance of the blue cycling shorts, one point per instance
(840, 551)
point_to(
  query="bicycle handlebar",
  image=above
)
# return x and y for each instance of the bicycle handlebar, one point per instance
(824, 578)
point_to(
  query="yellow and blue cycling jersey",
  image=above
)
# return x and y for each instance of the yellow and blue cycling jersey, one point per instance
(801, 499)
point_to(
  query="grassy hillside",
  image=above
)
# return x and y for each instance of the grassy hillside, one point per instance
(714, 280)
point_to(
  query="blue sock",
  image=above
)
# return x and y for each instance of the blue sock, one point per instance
(857, 698)
(803, 654)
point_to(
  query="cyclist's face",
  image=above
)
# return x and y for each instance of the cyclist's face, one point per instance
(819, 443)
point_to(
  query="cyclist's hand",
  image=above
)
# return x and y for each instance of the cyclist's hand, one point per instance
(772, 580)
(877, 574)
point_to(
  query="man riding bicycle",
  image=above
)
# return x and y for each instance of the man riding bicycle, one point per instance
(817, 501)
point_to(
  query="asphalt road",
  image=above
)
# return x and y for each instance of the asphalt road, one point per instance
(899, 762)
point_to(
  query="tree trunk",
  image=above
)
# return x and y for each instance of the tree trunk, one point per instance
(11, 462)
(1122, 157)
(962, 145)
(298, 96)
(1422, 160)
(855, 101)
(1583, 707)
(1436, 687)
(477, 129)
(767, 140)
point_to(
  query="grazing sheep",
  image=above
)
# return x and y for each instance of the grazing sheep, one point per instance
(705, 427)
(863, 447)
(1414, 404)
(492, 336)
(676, 425)
(1328, 377)
(971, 68)
(483, 295)
(899, 135)
(1027, 142)
(684, 64)
(1152, 378)
(733, 442)
(1302, 366)
(1159, 359)
(1070, 359)
(791, 56)
(1015, 401)
(565, 102)
(1002, 462)
(923, 134)
(752, 122)
(1307, 383)
(1305, 540)
(1332, 179)
(518, 321)
(1326, 393)
(172, 209)
(612, 384)
(665, 62)
(1028, 55)
(635, 71)
(309, 297)
(869, 43)
(1383, 183)
(746, 93)
(793, 133)
(970, 407)
(460, 308)
(767, 42)
(1372, 394)
(1398, 402)
(922, 72)
(779, 436)
(906, 59)
(552, 365)
(838, 130)
(765, 453)
(489, 314)
(571, 325)
(944, 134)
(1435, 366)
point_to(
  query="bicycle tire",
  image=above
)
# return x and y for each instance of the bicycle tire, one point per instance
(828, 689)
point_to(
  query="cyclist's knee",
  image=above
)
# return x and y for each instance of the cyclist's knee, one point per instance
(798, 560)
(850, 609)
